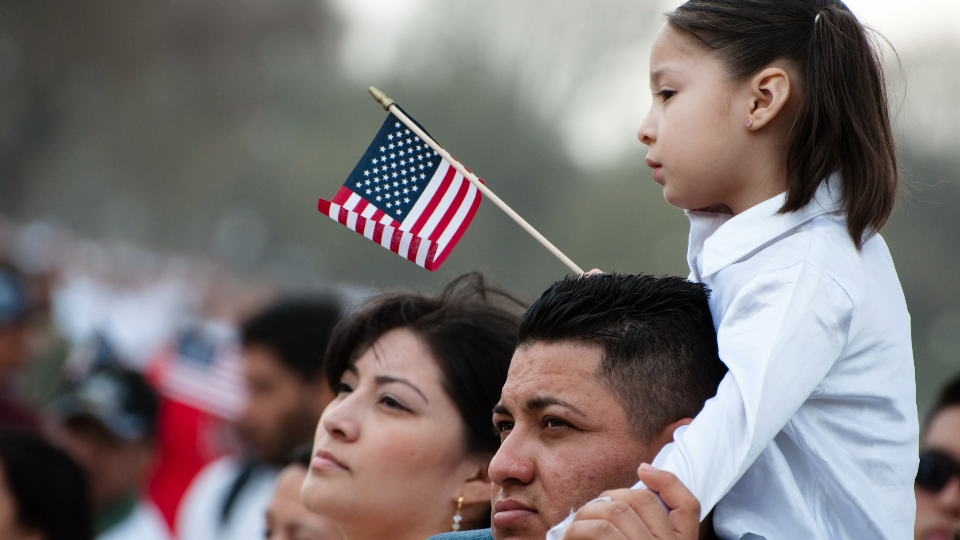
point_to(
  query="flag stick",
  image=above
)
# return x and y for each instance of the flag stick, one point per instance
(390, 106)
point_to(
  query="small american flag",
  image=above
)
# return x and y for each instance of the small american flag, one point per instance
(405, 197)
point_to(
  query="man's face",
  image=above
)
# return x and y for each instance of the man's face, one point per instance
(116, 468)
(282, 408)
(564, 439)
(938, 514)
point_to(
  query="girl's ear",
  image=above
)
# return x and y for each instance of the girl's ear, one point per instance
(769, 91)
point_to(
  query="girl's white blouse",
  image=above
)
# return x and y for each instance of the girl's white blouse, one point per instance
(813, 432)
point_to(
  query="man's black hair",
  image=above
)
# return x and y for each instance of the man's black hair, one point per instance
(296, 330)
(49, 489)
(659, 345)
(949, 397)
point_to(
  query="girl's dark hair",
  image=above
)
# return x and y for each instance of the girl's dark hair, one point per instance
(844, 122)
(468, 328)
(49, 488)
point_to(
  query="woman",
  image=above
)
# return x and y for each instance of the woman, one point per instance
(43, 493)
(402, 452)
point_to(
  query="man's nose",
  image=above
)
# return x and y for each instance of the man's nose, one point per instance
(949, 497)
(510, 464)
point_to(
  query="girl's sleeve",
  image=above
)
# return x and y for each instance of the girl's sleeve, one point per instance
(779, 338)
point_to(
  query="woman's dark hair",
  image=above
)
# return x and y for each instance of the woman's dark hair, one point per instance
(49, 488)
(844, 122)
(468, 328)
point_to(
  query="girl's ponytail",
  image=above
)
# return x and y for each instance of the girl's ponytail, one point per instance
(843, 124)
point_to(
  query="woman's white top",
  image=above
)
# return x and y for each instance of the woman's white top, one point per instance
(813, 432)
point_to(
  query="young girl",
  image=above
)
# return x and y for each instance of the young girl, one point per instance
(770, 125)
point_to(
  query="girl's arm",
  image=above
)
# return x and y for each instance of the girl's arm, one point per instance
(779, 338)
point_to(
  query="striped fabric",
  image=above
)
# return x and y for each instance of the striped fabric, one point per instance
(403, 196)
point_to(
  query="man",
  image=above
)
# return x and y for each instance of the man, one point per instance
(283, 349)
(14, 350)
(938, 479)
(607, 368)
(108, 425)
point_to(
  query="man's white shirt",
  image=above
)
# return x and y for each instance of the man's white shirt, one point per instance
(201, 508)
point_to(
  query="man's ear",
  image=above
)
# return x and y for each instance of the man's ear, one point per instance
(666, 434)
(768, 92)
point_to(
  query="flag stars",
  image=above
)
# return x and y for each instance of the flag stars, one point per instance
(367, 183)
(422, 176)
(393, 166)
(383, 149)
(405, 191)
(393, 156)
(379, 198)
(375, 160)
(421, 166)
(394, 175)
(390, 137)
(408, 140)
(397, 125)
(396, 193)
(407, 131)
(406, 200)
(368, 192)
(414, 188)
(389, 205)
(395, 184)
(366, 173)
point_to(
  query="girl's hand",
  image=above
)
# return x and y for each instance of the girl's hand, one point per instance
(637, 514)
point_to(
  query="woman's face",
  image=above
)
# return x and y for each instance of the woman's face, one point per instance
(388, 453)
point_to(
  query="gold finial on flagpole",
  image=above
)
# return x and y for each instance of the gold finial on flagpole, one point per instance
(381, 98)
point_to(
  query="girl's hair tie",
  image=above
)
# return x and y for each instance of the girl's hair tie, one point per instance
(817, 18)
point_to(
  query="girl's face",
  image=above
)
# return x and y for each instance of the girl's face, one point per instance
(388, 453)
(695, 129)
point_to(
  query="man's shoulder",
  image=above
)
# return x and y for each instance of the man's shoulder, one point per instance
(482, 534)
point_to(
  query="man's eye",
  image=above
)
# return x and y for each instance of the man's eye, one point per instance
(554, 423)
(501, 427)
(344, 388)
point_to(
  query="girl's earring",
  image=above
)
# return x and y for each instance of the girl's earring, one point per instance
(749, 122)
(456, 517)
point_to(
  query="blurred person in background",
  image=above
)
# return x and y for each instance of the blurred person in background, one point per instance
(403, 450)
(107, 423)
(282, 356)
(43, 493)
(287, 518)
(938, 478)
(14, 351)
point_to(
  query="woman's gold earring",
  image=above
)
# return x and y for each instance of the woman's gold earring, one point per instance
(456, 517)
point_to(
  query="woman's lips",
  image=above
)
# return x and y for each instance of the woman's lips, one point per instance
(657, 176)
(508, 512)
(325, 461)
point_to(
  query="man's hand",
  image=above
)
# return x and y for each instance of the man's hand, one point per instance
(637, 514)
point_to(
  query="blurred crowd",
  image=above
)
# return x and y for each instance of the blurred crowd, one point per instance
(154, 397)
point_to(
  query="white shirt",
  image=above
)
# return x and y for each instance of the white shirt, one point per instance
(813, 432)
(198, 517)
(144, 523)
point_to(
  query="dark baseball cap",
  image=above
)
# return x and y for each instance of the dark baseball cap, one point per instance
(120, 399)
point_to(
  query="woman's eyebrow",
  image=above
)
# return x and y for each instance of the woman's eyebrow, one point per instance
(387, 379)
